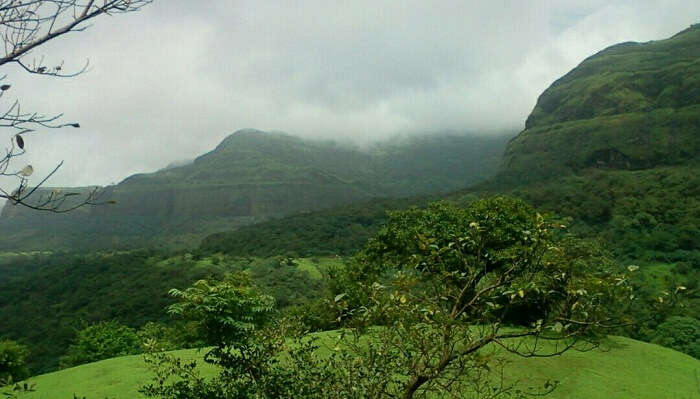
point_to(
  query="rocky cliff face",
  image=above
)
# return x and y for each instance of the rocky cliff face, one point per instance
(631, 106)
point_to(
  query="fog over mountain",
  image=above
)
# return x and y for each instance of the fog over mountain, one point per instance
(171, 82)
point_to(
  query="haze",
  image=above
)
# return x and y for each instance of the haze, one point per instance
(171, 82)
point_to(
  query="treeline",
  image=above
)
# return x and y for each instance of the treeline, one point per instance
(54, 296)
(48, 298)
(649, 215)
(338, 231)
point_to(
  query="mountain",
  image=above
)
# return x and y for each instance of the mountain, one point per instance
(252, 176)
(611, 148)
(632, 106)
(615, 144)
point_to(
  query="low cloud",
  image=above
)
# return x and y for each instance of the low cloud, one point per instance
(170, 82)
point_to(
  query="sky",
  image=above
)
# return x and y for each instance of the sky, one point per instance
(170, 82)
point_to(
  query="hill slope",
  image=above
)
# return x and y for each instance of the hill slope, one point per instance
(631, 106)
(253, 176)
(615, 143)
(628, 369)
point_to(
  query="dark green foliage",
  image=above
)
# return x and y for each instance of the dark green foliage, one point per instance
(47, 298)
(648, 215)
(50, 297)
(99, 341)
(253, 176)
(12, 358)
(287, 284)
(171, 336)
(339, 231)
(315, 315)
(631, 106)
(681, 334)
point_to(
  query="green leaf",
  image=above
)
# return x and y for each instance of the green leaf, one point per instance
(558, 327)
(339, 297)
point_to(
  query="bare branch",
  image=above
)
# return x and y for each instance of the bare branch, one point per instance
(24, 26)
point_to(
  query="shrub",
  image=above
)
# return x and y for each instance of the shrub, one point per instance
(680, 333)
(101, 341)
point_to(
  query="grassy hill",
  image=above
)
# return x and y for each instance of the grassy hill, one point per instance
(254, 176)
(623, 369)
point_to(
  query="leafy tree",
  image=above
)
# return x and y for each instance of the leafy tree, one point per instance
(230, 315)
(12, 357)
(426, 308)
(101, 341)
(680, 333)
(449, 285)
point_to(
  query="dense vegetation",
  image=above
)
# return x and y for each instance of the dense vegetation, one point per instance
(250, 177)
(47, 307)
(50, 300)
(338, 231)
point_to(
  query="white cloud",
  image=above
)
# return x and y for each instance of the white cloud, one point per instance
(170, 82)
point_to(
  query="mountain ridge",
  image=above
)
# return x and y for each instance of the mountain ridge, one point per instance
(252, 176)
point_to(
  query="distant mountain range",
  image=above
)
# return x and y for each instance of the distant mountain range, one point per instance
(614, 144)
(252, 176)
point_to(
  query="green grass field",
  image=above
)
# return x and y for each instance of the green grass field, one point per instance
(623, 369)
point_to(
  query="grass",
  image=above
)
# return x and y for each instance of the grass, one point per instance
(622, 369)
(312, 266)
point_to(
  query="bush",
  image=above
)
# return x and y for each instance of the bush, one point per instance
(12, 357)
(680, 333)
(99, 341)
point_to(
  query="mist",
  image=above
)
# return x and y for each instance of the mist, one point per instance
(170, 82)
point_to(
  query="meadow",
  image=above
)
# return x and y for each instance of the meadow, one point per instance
(622, 369)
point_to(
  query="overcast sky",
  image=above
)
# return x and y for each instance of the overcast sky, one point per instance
(172, 81)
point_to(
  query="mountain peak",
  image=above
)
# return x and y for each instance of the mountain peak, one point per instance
(247, 131)
(630, 106)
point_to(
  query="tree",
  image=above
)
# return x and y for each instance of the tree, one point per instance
(101, 341)
(230, 315)
(12, 357)
(427, 309)
(679, 333)
(25, 25)
(452, 288)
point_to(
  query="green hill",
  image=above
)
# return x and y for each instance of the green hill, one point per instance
(631, 106)
(250, 177)
(624, 369)
(614, 144)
